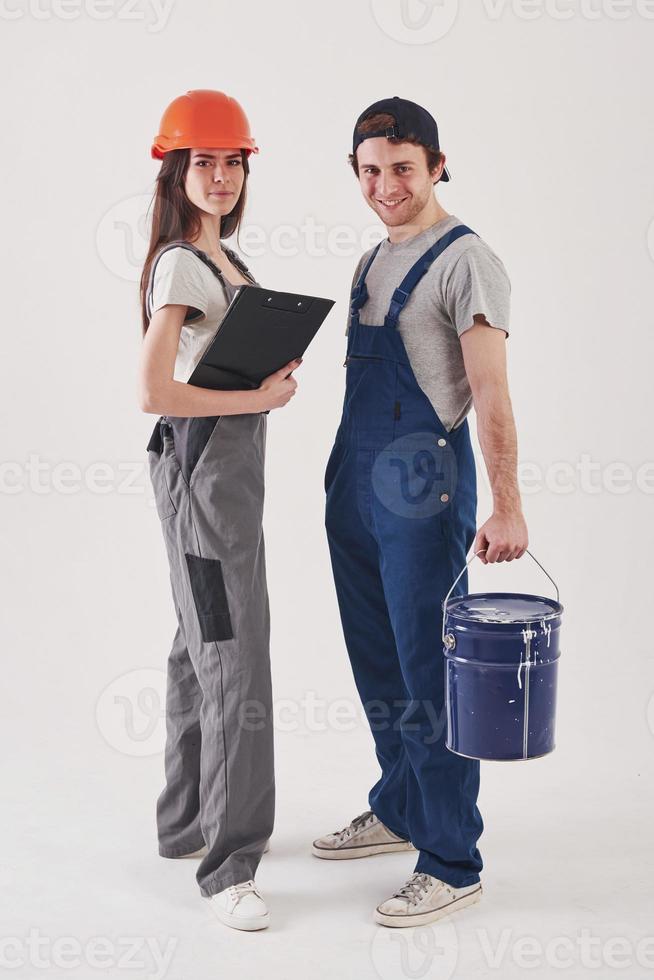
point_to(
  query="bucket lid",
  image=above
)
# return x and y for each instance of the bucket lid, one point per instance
(503, 608)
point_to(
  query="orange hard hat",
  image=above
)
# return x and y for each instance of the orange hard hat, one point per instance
(203, 117)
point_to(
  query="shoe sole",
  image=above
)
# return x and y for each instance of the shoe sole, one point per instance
(245, 925)
(365, 850)
(424, 918)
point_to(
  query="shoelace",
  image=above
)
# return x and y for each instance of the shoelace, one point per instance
(244, 888)
(415, 888)
(356, 824)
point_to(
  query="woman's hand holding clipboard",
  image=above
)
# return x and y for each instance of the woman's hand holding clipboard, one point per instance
(278, 388)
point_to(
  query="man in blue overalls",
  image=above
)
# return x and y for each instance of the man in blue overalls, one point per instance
(428, 323)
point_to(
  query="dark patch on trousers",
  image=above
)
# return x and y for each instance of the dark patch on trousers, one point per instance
(210, 597)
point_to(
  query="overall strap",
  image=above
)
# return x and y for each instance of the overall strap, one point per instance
(239, 263)
(417, 271)
(196, 251)
(359, 294)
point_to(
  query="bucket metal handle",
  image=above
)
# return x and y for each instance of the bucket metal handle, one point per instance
(469, 562)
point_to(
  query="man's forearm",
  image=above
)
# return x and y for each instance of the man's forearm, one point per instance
(499, 444)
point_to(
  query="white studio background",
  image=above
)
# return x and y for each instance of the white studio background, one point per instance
(545, 115)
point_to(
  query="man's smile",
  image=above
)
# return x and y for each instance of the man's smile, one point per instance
(390, 202)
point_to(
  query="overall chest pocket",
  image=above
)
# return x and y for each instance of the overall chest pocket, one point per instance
(370, 393)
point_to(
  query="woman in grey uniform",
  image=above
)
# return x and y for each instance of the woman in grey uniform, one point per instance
(206, 460)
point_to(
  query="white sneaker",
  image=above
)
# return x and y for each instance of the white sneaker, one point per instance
(241, 907)
(203, 851)
(424, 899)
(365, 836)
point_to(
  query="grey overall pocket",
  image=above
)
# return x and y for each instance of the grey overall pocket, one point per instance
(210, 597)
(157, 462)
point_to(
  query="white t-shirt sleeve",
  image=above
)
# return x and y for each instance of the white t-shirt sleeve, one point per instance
(478, 285)
(178, 279)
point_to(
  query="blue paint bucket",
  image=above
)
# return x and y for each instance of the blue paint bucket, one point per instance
(501, 662)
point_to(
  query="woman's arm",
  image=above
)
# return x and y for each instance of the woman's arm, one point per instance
(159, 394)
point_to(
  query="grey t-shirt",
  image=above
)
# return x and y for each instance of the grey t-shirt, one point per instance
(467, 279)
(180, 277)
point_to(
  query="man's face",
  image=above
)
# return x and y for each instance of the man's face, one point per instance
(394, 179)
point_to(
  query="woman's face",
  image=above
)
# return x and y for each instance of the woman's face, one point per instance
(214, 180)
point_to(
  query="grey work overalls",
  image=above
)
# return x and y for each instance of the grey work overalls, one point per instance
(208, 481)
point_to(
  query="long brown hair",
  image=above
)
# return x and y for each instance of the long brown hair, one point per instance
(175, 217)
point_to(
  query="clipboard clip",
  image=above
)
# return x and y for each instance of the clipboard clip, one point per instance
(288, 303)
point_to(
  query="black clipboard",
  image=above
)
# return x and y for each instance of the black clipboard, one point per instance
(261, 331)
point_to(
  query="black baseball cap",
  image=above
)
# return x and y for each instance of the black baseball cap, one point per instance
(411, 121)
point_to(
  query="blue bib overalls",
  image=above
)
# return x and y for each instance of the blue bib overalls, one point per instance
(400, 519)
